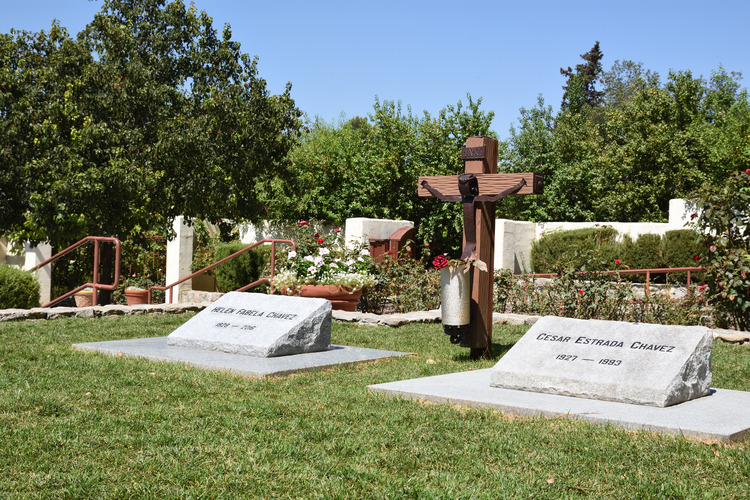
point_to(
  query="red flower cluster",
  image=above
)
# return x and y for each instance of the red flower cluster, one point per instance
(440, 262)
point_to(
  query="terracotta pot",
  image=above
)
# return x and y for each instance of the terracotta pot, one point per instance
(136, 297)
(84, 299)
(342, 298)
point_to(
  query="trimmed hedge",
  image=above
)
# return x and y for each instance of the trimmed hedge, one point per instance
(577, 248)
(241, 270)
(18, 289)
(596, 248)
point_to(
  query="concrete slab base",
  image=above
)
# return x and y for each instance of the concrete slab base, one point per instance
(156, 348)
(721, 416)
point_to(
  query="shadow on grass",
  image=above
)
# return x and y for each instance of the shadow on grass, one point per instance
(498, 350)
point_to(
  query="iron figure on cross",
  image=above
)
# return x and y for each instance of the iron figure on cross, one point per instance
(478, 189)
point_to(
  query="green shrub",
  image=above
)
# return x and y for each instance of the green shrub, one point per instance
(646, 253)
(681, 247)
(242, 270)
(577, 248)
(18, 289)
(725, 224)
(403, 285)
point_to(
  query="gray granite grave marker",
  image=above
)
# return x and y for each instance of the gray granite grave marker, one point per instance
(656, 365)
(260, 325)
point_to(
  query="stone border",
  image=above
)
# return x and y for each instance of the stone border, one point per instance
(392, 320)
(38, 313)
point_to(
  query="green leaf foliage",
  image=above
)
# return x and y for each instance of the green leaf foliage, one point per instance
(369, 168)
(620, 154)
(18, 289)
(147, 114)
(588, 249)
(725, 223)
(241, 270)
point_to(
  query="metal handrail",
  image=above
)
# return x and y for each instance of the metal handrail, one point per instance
(647, 272)
(96, 286)
(266, 279)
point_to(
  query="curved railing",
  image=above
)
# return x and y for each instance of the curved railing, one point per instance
(267, 279)
(95, 285)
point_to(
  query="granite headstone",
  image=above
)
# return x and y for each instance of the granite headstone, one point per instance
(259, 325)
(637, 363)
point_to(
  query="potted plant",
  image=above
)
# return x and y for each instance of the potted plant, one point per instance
(324, 267)
(136, 295)
(134, 290)
(85, 297)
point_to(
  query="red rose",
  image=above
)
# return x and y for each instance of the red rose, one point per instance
(440, 262)
(747, 171)
(320, 240)
(696, 258)
(316, 235)
(302, 223)
(617, 262)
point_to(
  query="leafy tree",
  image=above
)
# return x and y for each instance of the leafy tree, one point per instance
(369, 169)
(624, 157)
(624, 80)
(149, 113)
(580, 86)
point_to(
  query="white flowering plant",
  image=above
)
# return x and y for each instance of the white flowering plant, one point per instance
(323, 260)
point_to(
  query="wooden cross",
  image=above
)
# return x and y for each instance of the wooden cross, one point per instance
(479, 193)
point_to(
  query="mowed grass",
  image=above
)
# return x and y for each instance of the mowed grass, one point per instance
(76, 424)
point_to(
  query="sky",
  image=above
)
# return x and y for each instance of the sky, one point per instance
(340, 56)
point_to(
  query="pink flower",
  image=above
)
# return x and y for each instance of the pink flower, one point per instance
(580, 291)
(702, 287)
(617, 262)
(747, 171)
(427, 245)
(561, 308)
(337, 230)
(440, 262)
(302, 223)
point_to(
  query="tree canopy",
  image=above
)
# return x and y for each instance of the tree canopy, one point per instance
(623, 152)
(369, 168)
(147, 114)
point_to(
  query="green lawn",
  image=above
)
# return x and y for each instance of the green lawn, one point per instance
(75, 424)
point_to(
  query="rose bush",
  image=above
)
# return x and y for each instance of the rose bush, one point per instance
(323, 260)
